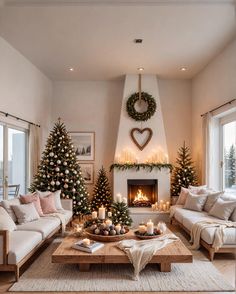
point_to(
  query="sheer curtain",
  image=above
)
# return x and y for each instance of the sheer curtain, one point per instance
(34, 149)
(211, 151)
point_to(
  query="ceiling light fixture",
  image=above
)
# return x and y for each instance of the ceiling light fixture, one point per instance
(140, 68)
(183, 68)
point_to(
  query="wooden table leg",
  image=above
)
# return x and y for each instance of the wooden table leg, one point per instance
(84, 267)
(165, 267)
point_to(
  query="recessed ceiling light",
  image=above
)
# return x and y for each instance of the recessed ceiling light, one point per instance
(71, 69)
(138, 41)
(140, 68)
(183, 68)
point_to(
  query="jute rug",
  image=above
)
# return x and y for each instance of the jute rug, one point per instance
(42, 275)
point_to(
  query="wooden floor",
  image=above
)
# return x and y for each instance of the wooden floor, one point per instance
(225, 263)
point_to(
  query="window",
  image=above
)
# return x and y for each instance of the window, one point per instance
(13, 161)
(228, 143)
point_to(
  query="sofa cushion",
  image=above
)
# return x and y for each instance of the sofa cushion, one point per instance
(56, 195)
(6, 222)
(48, 204)
(223, 209)
(7, 205)
(211, 200)
(229, 197)
(182, 196)
(180, 213)
(230, 235)
(21, 243)
(45, 225)
(189, 221)
(195, 202)
(68, 214)
(25, 213)
(32, 198)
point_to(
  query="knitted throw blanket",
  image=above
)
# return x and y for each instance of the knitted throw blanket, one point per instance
(141, 252)
(61, 216)
(219, 236)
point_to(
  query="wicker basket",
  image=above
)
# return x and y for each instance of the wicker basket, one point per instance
(102, 238)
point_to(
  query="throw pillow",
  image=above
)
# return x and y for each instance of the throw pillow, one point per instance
(211, 199)
(195, 202)
(182, 196)
(48, 204)
(25, 213)
(6, 222)
(7, 205)
(229, 197)
(57, 197)
(32, 198)
(223, 209)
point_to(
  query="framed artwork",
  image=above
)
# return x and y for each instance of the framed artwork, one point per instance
(87, 170)
(84, 144)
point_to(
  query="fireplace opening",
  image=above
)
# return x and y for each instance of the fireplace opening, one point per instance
(142, 193)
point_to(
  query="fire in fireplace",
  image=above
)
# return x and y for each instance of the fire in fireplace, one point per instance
(142, 193)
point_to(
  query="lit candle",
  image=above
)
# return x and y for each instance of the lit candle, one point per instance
(118, 228)
(109, 214)
(142, 229)
(168, 205)
(150, 227)
(124, 200)
(161, 205)
(101, 212)
(108, 223)
(94, 214)
(164, 207)
(118, 198)
(153, 207)
(86, 242)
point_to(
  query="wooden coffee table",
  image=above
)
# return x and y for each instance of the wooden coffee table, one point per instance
(175, 252)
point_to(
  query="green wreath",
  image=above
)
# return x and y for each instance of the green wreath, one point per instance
(141, 116)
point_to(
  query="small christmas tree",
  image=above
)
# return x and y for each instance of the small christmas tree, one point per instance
(59, 170)
(231, 167)
(102, 192)
(120, 214)
(184, 173)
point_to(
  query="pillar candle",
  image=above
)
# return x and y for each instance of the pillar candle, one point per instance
(101, 212)
(108, 223)
(153, 207)
(118, 228)
(86, 242)
(164, 207)
(168, 205)
(124, 200)
(118, 198)
(150, 227)
(142, 229)
(94, 214)
(161, 205)
(109, 214)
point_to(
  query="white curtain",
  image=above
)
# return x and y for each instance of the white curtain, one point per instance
(211, 151)
(34, 149)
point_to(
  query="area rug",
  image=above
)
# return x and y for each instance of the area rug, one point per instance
(42, 275)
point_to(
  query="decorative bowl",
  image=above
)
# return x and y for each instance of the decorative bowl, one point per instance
(146, 237)
(102, 238)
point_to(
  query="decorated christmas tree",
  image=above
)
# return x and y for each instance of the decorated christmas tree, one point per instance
(120, 214)
(230, 170)
(184, 173)
(102, 192)
(59, 170)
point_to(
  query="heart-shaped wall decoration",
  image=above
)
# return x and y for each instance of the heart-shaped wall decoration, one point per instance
(141, 137)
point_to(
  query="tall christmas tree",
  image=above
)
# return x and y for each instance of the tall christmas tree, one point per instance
(102, 192)
(59, 170)
(120, 214)
(184, 173)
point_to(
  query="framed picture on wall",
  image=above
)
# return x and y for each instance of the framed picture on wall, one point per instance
(87, 170)
(84, 144)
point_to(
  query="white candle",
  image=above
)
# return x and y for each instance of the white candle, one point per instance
(118, 198)
(109, 214)
(124, 200)
(108, 222)
(168, 205)
(101, 212)
(94, 214)
(150, 227)
(86, 242)
(118, 228)
(142, 229)
(161, 205)
(164, 207)
(153, 207)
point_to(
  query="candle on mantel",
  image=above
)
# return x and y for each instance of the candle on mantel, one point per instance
(161, 205)
(86, 242)
(150, 227)
(118, 198)
(153, 207)
(118, 228)
(142, 229)
(101, 212)
(94, 214)
(167, 205)
(164, 207)
(124, 200)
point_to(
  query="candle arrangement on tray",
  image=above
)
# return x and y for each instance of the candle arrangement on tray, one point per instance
(161, 206)
(148, 231)
(101, 228)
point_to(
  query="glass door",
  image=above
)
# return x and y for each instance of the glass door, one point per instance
(13, 161)
(229, 157)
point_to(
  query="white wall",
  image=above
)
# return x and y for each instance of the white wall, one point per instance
(96, 106)
(212, 87)
(24, 90)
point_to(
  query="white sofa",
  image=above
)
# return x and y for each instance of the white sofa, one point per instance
(186, 218)
(18, 246)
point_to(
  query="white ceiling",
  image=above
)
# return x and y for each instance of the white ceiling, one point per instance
(96, 37)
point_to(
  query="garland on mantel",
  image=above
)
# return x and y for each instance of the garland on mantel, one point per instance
(138, 166)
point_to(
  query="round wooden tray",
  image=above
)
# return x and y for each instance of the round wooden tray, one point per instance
(143, 237)
(102, 238)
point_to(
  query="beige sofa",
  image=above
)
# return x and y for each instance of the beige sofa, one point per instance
(187, 218)
(18, 246)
